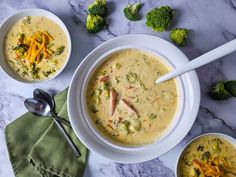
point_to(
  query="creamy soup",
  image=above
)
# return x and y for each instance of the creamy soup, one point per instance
(35, 47)
(125, 103)
(208, 156)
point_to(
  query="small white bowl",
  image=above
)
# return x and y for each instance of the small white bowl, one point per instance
(10, 21)
(221, 135)
(188, 89)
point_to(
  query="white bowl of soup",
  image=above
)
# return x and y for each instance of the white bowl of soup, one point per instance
(35, 46)
(122, 102)
(210, 154)
(118, 111)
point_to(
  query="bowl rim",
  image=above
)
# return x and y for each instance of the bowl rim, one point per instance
(191, 83)
(172, 124)
(30, 12)
(226, 137)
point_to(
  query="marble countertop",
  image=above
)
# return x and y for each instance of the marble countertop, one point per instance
(212, 23)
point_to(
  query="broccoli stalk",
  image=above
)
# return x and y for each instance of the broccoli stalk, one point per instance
(159, 19)
(95, 23)
(179, 36)
(98, 7)
(131, 11)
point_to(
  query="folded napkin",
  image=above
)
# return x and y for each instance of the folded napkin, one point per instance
(37, 148)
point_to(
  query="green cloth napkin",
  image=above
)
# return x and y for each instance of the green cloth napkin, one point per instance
(37, 148)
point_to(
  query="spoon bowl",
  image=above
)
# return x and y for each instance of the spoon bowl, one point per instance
(44, 96)
(41, 94)
(38, 107)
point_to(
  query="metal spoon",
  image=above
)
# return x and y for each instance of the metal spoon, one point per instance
(41, 108)
(42, 95)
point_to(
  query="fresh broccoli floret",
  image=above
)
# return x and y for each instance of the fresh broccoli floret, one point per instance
(131, 11)
(230, 86)
(95, 23)
(98, 7)
(159, 19)
(179, 36)
(218, 92)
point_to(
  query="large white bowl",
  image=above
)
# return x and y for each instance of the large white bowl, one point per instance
(188, 91)
(96, 63)
(7, 24)
(220, 135)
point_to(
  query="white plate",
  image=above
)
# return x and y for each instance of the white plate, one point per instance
(191, 100)
(7, 24)
(220, 135)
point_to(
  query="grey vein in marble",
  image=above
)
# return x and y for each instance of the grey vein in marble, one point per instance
(152, 168)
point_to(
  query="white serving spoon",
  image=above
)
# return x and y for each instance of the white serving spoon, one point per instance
(206, 58)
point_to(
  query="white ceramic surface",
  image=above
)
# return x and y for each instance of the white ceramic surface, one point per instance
(220, 135)
(185, 116)
(7, 24)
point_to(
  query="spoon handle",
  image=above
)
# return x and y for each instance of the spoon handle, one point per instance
(68, 139)
(204, 59)
(64, 121)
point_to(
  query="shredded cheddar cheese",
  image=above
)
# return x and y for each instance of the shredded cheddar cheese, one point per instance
(215, 167)
(36, 46)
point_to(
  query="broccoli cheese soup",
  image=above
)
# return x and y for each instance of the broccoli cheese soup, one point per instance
(124, 102)
(209, 156)
(35, 47)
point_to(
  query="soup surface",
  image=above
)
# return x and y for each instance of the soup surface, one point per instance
(208, 156)
(125, 103)
(35, 47)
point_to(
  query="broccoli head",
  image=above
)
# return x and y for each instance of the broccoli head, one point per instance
(98, 7)
(218, 92)
(131, 11)
(159, 19)
(230, 86)
(179, 36)
(95, 23)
